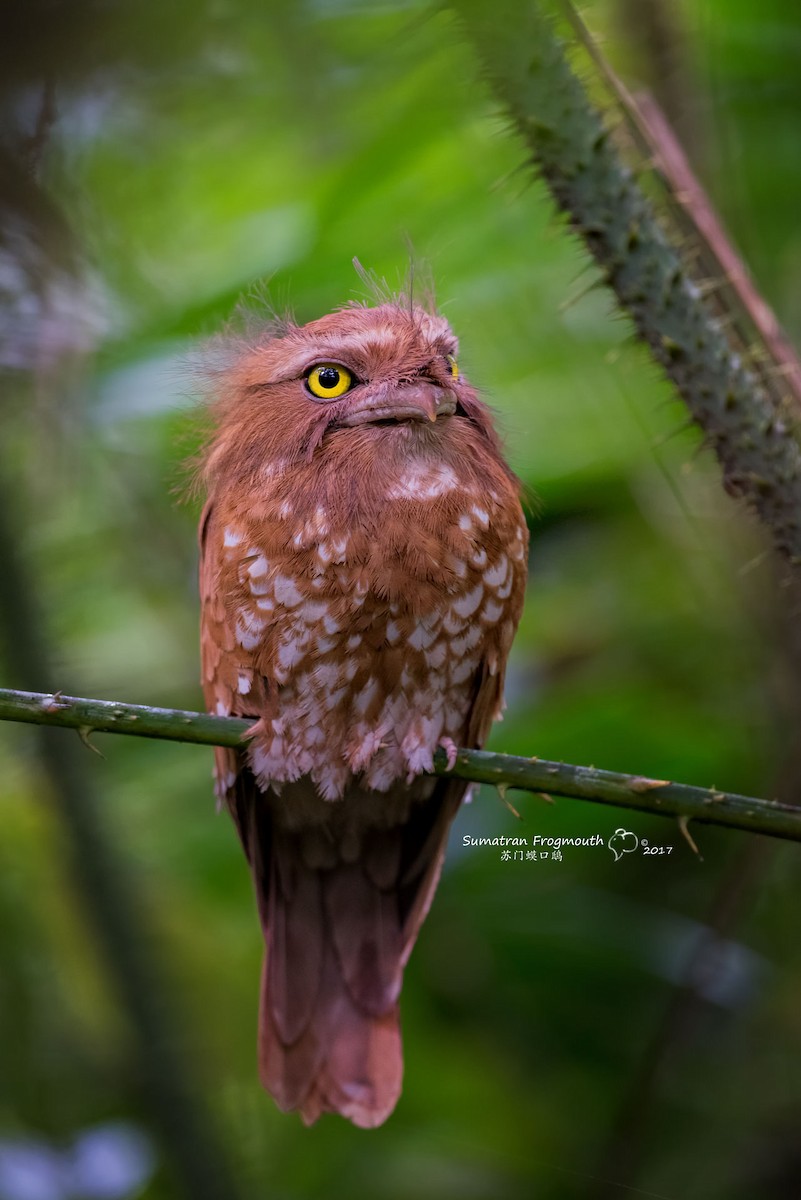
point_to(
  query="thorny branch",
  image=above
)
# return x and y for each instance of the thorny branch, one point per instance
(656, 796)
(749, 420)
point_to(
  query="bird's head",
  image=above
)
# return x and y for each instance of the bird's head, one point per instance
(380, 381)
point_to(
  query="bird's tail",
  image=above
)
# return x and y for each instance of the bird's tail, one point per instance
(340, 914)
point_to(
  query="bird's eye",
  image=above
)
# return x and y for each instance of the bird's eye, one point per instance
(328, 381)
(453, 366)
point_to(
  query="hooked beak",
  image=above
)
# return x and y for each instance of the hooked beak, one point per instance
(419, 402)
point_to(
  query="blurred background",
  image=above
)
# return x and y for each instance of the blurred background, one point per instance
(573, 1027)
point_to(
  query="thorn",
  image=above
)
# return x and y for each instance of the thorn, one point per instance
(684, 821)
(580, 293)
(84, 732)
(682, 427)
(54, 703)
(640, 784)
(755, 562)
(502, 789)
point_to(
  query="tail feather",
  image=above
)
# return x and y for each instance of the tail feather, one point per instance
(365, 928)
(344, 1060)
(426, 836)
(338, 933)
(364, 1072)
(297, 928)
(381, 856)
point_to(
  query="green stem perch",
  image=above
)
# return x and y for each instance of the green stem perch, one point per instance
(502, 770)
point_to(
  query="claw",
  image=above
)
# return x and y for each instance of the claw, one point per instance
(451, 750)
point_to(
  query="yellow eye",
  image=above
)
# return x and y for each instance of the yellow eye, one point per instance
(328, 381)
(453, 366)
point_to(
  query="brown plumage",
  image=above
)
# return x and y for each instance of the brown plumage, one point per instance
(363, 561)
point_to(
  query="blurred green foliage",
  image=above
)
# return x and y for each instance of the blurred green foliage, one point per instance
(199, 150)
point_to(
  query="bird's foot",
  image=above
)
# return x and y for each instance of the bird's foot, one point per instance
(451, 750)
